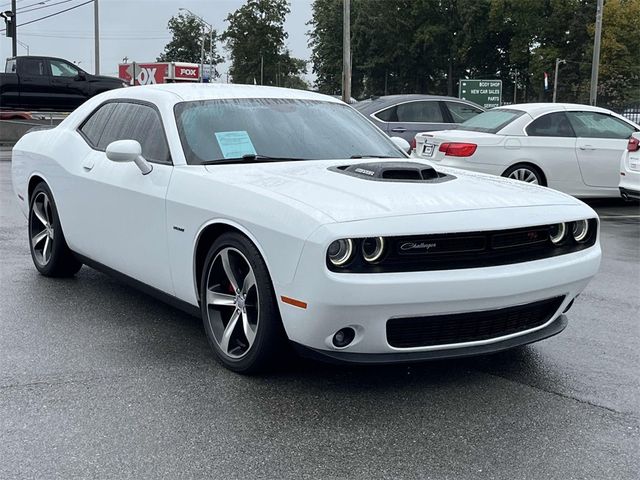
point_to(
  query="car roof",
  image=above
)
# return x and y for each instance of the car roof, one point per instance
(375, 104)
(537, 109)
(212, 91)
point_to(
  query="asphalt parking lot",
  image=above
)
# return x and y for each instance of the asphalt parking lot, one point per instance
(100, 381)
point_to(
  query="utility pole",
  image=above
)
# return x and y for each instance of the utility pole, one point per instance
(595, 65)
(211, 55)
(261, 69)
(14, 37)
(346, 52)
(96, 35)
(202, 53)
(515, 88)
(555, 79)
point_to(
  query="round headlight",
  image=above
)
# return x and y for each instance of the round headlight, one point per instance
(340, 251)
(372, 249)
(580, 230)
(557, 233)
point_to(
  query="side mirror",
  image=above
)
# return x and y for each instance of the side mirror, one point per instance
(402, 144)
(81, 75)
(123, 151)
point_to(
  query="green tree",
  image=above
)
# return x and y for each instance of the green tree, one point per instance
(619, 72)
(185, 46)
(256, 42)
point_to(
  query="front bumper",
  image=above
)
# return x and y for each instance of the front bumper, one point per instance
(366, 302)
(555, 327)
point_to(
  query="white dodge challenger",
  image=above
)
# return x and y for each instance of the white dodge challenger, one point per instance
(284, 216)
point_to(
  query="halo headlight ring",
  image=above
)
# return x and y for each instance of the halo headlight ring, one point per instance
(340, 252)
(557, 233)
(373, 249)
(580, 230)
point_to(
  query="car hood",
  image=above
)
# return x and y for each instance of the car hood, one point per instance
(319, 185)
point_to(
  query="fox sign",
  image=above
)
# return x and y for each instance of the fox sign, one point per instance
(159, 72)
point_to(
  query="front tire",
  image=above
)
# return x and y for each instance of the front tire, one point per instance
(49, 251)
(238, 306)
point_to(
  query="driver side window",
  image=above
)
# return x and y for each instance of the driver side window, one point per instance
(62, 69)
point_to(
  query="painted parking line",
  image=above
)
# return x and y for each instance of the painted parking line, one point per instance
(610, 217)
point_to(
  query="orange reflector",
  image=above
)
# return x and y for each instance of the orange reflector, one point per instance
(293, 301)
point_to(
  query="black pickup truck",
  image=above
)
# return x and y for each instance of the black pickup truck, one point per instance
(47, 83)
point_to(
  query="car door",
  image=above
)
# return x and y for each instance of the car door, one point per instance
(551, 145)
(410, 118)
(66, 85)
(35, 83)
(126, 229)
(601, 138)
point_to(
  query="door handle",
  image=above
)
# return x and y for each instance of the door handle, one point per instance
(399, 130)
(587, 147)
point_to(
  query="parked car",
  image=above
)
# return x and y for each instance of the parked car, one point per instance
(15, 115)
(283, 215)
(572, 148)
(47, 83)
(407, 115)
(630, 169)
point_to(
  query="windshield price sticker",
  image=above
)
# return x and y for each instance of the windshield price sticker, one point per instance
(235, 144)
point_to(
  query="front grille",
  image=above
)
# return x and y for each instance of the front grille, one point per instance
(471, 326)
(450, 251)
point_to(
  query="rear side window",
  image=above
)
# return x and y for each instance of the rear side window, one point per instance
(93, 127)
(133, 121)
(32, 66)
(599, 125)
(10, 66)
(388, 115)
(461, 112)
(551, 125)
(420, 112)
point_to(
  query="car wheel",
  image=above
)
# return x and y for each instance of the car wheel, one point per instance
(238, 305)
(525, 173)
(49, 249)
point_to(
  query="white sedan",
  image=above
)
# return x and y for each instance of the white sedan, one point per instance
(630, 169)
(282, 216)
(572, 148)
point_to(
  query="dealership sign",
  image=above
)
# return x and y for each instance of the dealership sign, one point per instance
(486, 93)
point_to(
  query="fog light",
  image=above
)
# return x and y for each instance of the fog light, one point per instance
(344, 337)
(557, 233)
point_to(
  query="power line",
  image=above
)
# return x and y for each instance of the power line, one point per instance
(41, 6)
(51, 15)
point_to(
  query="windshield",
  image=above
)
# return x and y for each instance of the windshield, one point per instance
(276, 129)
(492, 121)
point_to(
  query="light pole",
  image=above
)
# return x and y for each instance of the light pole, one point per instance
(24, 45)
(555, 79)
(593, 94)
(14, 38)
(96, 35)
(203, 23)
(346, 51)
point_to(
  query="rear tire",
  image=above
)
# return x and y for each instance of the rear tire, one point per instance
(238, 306)
(49, 251)
(525, 173)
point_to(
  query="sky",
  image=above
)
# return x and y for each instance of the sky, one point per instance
(136, 29)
